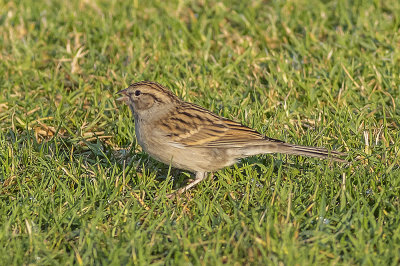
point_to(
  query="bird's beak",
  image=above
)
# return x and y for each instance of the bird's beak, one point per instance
(124, 98)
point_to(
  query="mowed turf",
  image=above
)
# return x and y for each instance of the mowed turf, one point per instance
(75, 188)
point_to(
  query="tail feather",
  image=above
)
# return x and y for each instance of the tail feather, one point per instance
(286, 148)
(314, 152)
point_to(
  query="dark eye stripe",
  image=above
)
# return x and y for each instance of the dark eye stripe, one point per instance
(153, 96)
(158, 88)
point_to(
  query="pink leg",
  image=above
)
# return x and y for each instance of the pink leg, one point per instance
(199, 177)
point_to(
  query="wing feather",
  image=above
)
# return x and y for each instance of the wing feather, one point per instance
(192, 125)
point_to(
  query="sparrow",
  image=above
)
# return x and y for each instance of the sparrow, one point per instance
(190, 137)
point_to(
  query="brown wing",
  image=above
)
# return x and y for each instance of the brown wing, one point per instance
(192, 125)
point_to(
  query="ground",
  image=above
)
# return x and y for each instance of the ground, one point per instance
(75, 188)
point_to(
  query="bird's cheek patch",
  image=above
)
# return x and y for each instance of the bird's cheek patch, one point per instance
(144, 103)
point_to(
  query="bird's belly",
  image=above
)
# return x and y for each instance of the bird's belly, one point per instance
(196, 160)
(189, 158)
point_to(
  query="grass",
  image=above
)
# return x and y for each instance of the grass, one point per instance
(75, 187)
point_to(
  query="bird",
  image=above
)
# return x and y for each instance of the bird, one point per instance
(192, 138)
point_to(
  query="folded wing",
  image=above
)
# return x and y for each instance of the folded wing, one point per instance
(192, 125)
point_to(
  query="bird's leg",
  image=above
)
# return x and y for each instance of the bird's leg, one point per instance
(199, 177)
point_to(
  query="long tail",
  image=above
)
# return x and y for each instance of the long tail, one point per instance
(311, 152)
(277, 146)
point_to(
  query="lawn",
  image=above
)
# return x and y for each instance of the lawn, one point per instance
(76, 188)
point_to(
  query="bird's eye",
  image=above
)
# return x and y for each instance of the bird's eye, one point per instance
(138, 92)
